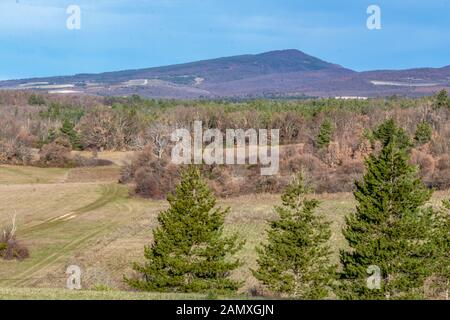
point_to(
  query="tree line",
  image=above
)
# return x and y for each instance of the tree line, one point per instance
(326, 138)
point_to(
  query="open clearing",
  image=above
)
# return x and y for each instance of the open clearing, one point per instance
(70, 216)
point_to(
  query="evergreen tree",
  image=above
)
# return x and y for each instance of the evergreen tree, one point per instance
(423, 133)
(442, 252)
(390, 228)
(442, 99)
(325, 134)
(296, 259)
(68, 129)
(36, 100)
(387, 131)
(189, 252)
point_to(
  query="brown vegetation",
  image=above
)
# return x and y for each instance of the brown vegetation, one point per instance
(134, 124)
(10, 247)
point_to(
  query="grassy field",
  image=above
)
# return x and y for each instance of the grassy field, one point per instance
(70, 216)
(63, 294)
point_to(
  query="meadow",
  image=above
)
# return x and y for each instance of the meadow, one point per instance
(82, 216)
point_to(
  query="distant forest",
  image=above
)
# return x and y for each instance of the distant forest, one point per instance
(327, 139)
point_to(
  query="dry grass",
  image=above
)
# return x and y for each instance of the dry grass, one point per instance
(97, 174)
(99, 227)
(116, 157)
(30, 175)
(61, 294)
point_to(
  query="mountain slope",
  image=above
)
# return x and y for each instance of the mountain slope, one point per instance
(276, 73)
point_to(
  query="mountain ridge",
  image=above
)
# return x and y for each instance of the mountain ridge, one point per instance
(278, 73)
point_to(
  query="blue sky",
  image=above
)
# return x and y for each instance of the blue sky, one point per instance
(127, 34)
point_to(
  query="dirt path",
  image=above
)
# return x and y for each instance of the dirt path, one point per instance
(109, 193)
(28, 276)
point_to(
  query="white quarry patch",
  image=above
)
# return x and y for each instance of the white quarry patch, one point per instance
(32, 84)
(136, 82)
(63, 91)
(45, 86)
(199, 81)
(351, 98)
(403, 84)
(149, 82)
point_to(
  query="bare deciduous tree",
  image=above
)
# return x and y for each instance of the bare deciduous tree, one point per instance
(159, 135)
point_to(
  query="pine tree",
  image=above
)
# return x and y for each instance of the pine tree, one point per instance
(442, 99)
(296, 259)
(442, 252)
(390, 229)
(325, 134)
(423, 133)
(68, 129)
(189, 252)
(387, 131)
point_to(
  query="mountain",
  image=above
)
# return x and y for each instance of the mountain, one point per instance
(284, 73)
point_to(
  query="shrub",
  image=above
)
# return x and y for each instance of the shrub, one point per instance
(441, 180)
(221, 181)
(306, 162)
(15, 152)
(36, 100)
(56, 154)
(10, 247)
(441, 177)
(426, 164)
(100, 130)
(153, 177)
(444, 162)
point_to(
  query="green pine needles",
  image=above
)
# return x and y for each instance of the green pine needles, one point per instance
(398, 248)
(68, 129)
(441, 253)
(325, 134)
(189, 252)
(423, 134)
(442, 99)
(295, 260)
(391, 229)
